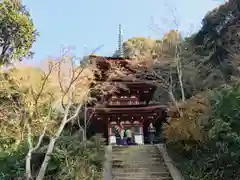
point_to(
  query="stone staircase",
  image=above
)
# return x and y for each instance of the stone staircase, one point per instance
(143, 162)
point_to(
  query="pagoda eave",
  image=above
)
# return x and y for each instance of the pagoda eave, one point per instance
(106, 110)
(140, 114)
(106, 58)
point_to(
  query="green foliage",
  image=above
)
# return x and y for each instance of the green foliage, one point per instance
(12, 160)
(17, 33)
(73, 161)
(219, 33)
(224, 136)
(218, 158)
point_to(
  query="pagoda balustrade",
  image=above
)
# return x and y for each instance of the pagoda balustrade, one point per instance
(123, 100)
(135, 93)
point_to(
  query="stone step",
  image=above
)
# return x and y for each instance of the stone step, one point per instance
(144, 178)
(134, 156)
(129, 162)
(137, 158)
(133, 152)
(139, 165)
(141, 169)
(119, 148)
(142, 161)
(150, 158)
(144, 146)
(134, 149)
(140, 174)
(137, 154)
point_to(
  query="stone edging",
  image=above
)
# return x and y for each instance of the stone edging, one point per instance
(107, 165)
(175, 173)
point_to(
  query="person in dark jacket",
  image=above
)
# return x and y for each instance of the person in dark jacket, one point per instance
(151, 133)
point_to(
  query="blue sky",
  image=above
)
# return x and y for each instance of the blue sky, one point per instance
(85, 25)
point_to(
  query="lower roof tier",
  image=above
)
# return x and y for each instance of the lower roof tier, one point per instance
(148, 108)
(134, 113)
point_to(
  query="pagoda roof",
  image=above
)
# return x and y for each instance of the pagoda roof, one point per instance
(109, 58)
(133, 82)
(147, 108)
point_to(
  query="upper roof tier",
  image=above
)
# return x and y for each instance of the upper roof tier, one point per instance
(103, 62)
(144, 90)
(104, 58)
(113, 68)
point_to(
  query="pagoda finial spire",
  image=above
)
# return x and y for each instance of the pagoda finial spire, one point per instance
(120, 42)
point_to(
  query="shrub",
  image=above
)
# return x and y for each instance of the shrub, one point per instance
(218, 157)
(71, 159)
(187, 126)
(74, 160)
(12, 160)
(224, 135)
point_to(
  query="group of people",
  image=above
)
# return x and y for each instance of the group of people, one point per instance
(129, 134)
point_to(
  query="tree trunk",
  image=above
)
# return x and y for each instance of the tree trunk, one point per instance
(28, 165)
(46, 160)
(174, 101)
(179, 70)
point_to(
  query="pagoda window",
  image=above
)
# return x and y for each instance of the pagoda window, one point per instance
(114, 102)
(134, 100)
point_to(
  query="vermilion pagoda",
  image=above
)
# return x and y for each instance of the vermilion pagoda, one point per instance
(129, 106)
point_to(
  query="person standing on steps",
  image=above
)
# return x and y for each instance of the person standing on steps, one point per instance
(129, 136)
(121, 129)
(151, 133)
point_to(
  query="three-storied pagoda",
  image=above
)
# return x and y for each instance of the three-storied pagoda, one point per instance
(129, 106)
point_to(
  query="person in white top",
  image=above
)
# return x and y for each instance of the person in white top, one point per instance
(151, 133)
(121, 129)
(129, 136)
